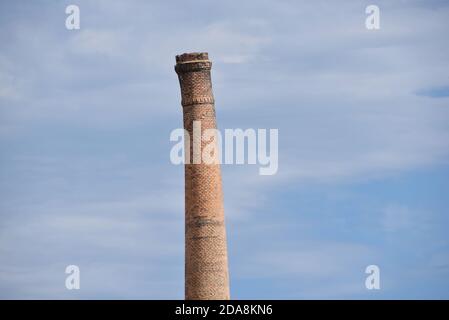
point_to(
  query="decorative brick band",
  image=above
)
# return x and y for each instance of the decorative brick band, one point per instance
(197, 100)
(193, 66)
(200, 222)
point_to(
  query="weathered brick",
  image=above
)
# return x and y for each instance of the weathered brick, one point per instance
(206, 261)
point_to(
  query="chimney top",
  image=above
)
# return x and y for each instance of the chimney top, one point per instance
(192, 62)
(192, 57)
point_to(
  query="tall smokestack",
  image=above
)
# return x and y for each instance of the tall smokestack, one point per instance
(206, 260)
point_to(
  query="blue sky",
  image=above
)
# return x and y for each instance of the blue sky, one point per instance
(363, 119)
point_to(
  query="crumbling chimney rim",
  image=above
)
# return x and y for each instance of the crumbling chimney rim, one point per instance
(192, 57)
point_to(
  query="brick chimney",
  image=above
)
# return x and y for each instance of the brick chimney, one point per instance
(206, 260)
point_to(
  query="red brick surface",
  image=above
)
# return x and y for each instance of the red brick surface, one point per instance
(206, 262)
